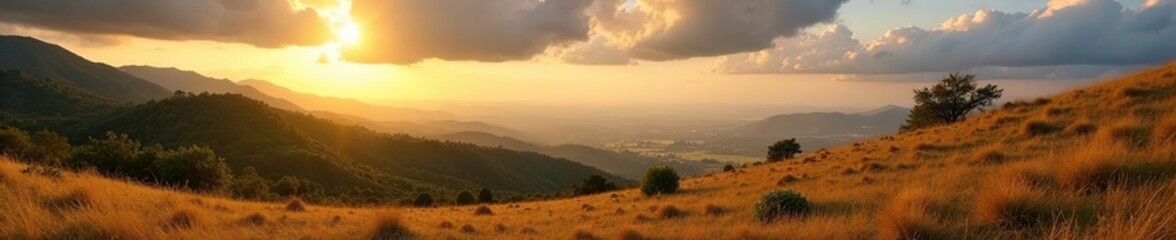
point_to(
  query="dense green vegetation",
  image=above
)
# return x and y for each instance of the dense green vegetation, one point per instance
(45, 60)
(660, 180)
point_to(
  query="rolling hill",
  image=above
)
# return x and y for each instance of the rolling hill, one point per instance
(179, 80)
(346, 106)
(627, 165)
(1093, 163)
(44, 60)
(881, 121)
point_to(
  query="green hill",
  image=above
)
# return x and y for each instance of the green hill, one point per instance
(27, 101)
(189, 81)
(44, 60)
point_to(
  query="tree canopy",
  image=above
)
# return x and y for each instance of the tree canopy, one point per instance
(950, 101)
(783, 149)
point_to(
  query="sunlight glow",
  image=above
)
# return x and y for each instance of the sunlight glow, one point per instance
(349, 33)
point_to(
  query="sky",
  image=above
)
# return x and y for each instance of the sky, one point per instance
(855, 53)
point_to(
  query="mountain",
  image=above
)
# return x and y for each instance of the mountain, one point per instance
(627, 165)
(44, 60)
(884, 120)
(347, 106)
(248, 133)
(179, 80)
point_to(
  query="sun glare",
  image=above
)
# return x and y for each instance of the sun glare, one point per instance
(349, 33)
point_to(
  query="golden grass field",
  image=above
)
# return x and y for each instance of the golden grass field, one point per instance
(1095, 163)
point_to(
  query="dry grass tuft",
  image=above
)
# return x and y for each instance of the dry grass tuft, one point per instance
(583, 234)
(445, 225)
(1127, 131)
(714, 211)
(78, 198)
(1081, 128)
(468, 229)
(185, 218)
(255, 219)
(990, 155)
(1039, 127)
(387, 226)
(670, 211)
(483, 210)
(907, 216)
(295, 205)
(628, 234)
(94, 230)
(1100, 166)
(1163, 135)
(1011, 204)
(789, 179)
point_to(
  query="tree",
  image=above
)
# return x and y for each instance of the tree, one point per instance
(592, 185)
(465, 197)
(249, 185)
(484, 196)
(660, 180)
(197, 168)
(783, 149)
(109, 155)
(14, 142)
(50, 148)
(950, 101)
(286, 186)
(423, 200)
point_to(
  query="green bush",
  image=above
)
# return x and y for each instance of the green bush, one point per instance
(592, 185)
(660, 180)
(777, 204)
(465, 197)
(196, 168)
(484, 196)
(286, 186)
(423, 200)
(728, 168)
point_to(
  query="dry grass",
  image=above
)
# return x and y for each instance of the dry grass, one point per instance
(483, 210)
(1039, 127)
(1164, 133)
(295, 205)
(1111, 185)
(185, 218)
(387, 226)
(908, 216)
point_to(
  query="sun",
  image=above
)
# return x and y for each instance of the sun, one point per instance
(349, 33)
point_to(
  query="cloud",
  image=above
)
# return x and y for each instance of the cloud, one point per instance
(1070, 33)
(661, 30)
(410, 31)
(262, 23)
(597, 51)
(84, 40)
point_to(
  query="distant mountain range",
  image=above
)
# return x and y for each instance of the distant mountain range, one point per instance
(347, 106)
(628, 165)
(39, 59)
(189, 81)
(881, 121)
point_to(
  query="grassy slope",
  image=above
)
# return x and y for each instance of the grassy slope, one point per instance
(979, 179)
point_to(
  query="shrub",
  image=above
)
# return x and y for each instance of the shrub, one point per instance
(387, 226)
(14, 142)
(483, 210)
(48, 148)
(423, 200)
(196, 168)
(670, 211)
(778, 204)
(628, 234)
(468, 229)
(581, 234)
(286, 186)
(592, 185)
(783, 149)
(295, 205)
(465, 198)
(484, 196)
(728, 168)
(1038, 127)
(660, 180)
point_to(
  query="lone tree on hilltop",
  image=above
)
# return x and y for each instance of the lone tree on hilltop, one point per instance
(784, 149)
(950, 101)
